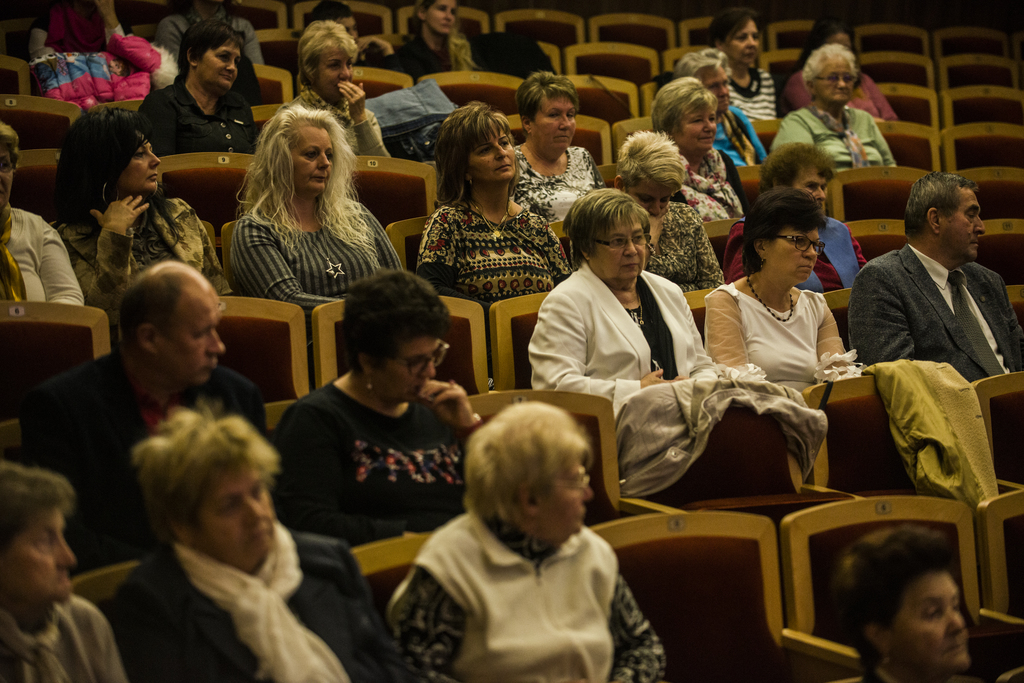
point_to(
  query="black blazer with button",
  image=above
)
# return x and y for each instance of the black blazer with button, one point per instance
(180, 126)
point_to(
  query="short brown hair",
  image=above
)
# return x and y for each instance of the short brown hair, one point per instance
(26, 492)
(464, 129)
(785, 163)
(540, 86)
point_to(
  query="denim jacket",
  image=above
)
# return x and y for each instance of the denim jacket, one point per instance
(410, 118)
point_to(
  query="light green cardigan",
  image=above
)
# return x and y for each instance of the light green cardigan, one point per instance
(803, 126)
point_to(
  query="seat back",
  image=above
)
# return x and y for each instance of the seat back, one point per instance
(694, 32)
(648, 30)
(891, 38)
(385, 564)
(913, 103)
(1001, 553)
(839, 302)
(976, 69)
(790, 34)
(40, 122)
(14, 30)
(263, 14)
(280, 48)
(1003, 253)
(730, 629)
(329, 360)
(595, 415)
(871, 192)
(624, 61)
(611, 99)
(405, 237)
(912, 144)
(277, 85)
(623, 129)
(877, 237)
(99, 586)
(982, 103)
(698, 307)
(750, 176)
(779, 62)
(718, 235)
(377, 82)
(766, 130)
(976, 145)
(395, 189)
(512, 322)
(43, 340)
(208, 181)
(137, 12)
(14, 78)
(37, 181)
(462, 87)
(963, 40)
(263, 113)
(1002, 399)
(1001, 189)
(900, 68)
(1016, 295)
(266, 342)
(551, 26)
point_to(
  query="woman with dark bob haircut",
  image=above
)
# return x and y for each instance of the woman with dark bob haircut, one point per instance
(113, 215)
(763, 319)
(735, 32)
(480, 244)
(374, 453)
(900, 604)
(199, 112)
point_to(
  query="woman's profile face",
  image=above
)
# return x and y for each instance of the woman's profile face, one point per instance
(653, 196)
(811, 180)
(743, 45)
(235, 521)
(695, 134)
(439, 18)
(216, 70)
(402, 378)
(139, 178)
(335, 68)
(35, 568)
(312, 159)
(560, 514)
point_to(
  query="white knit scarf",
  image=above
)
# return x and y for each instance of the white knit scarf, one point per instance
(39, 661)
(287, 651)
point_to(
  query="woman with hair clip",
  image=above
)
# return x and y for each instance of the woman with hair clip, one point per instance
(112, 214)
(437, 43)
(479, 244)
(303, 236)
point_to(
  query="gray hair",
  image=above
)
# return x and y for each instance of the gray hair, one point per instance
(692, 63)
(649, 155)
(678, 99)
(936, 190)
(25, 493)
(596, 214)
(824, 53)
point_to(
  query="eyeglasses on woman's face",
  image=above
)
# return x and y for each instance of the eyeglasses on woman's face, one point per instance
(835, 78)
(417, 364)
(639, 240)
(803, 243)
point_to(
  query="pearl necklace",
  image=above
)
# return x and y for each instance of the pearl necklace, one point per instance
(774, 315)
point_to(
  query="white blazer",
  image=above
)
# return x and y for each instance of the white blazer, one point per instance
(586, 342)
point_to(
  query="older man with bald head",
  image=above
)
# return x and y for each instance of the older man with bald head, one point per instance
(84, 422)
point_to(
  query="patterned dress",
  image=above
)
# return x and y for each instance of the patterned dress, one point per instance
(463, 254)
(551, 196)
(685, 255)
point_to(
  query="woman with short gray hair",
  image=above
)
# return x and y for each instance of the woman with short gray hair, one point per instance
(850, 136)
(476, 604)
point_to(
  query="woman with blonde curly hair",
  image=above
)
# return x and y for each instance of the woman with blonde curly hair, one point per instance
(304, 237)
(437, 45)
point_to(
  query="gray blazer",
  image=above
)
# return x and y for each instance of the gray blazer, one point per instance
(896, 311)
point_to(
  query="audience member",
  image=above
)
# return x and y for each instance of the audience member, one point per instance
(805, 167)
(478, 602)
(374, 453)
(552, 173)
(304, 237)
(84, 422)
(112, 214)
(230, 594)
(479, 244)
(850, 136)
(46, 633)
(734, 31)
(866, 95)
(371, 50)
(199, 112)
(685, 111)
(929, 300)
(763, 318)
(75, 26)
(899, 603)
(612, 328)
(437, 43)
(326, 52)
(735, 134)
(650, 171)
(34, 264)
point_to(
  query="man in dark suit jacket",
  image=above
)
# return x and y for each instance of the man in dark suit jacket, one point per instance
(84, 422)
(902, 305)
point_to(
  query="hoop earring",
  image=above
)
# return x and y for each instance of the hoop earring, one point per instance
(104, 195)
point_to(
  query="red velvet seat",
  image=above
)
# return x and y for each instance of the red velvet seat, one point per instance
(15, 30)
(37, 181)
(975, 69)
(208, 182)
(890, 38)
(1002, 399)
(385, 565)
(550, 26)
(139, 12)
(999, 190)
(262, 17)
(14, 76)
(980, 104)
(280, 48)
(899, 68)
(624, 61)
(1001, 552)
(638, 32)
(607, 98)
(41, 123)
(1003, 253)
(872, 192)
(395, 189)
(976, 145)
(377, 82)
(912, 144)
(512, 322)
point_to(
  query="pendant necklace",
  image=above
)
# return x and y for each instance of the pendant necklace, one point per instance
(495, 229)
(333, 269)
(774, 315)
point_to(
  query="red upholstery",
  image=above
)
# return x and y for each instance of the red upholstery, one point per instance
(259, 17)
(625, 67)
(392, 197)
(781, 66)
(767, 137)
(975, 45)
(522, 332)
(979, 74)
(469, 27)
(785, 40)
(38, 351)
(17, 40)
(1018, 309)
(911, 150)
(339, 345)
(212, 192)
(892, 43)
(266, 363)
(704, 596)
(34, 190)
(271, 91)
(412, 250)
(700, 36)
(718, 243)
(1001, 197)
(37, 129)
(9, 82)
(911, 109)
(590, 140)
(862, 455)
(989, 150)
(600, 509)
(612, 107)
(559, 34)
(1013, 535)
(383, 584)
(897, 72)
(986, 109)
(501, 98)
(875, 199)
(283, 54)
(873, 246)
(699, 314)
(752, 186)
(1003, 253)
(635, 34)
(566, 244)
(137, 12)
(377, 88)
(458, 364)
(840, 313)
(1005, 411)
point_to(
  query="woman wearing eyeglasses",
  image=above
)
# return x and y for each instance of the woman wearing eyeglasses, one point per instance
(375, 453)
(763, 318)
(850, 136)
(613, 328)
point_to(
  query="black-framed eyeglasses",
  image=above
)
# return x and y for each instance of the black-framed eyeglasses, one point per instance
(417, 364)
(835, 78)
(641, 240)
(803, 243)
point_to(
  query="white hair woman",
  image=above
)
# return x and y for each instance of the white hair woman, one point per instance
(650, 171)
(326, 55)
(231, 594)
(476, 604)
(303, 236)
(850, 136)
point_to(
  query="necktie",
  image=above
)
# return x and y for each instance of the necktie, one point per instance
(971, 327)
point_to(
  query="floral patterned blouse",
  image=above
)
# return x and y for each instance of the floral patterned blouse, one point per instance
(684, 254)
(551, 196)
(463, 254)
